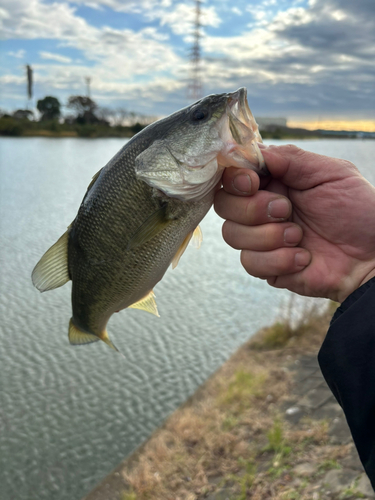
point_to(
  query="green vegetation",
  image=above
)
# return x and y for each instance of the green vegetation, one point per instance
(242, 388)
(10, 126)
(329, 464)
(87, 120)
(287, 330)
(49, 107)
(129, 496)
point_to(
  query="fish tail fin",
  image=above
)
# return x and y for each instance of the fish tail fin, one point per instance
(78, 337)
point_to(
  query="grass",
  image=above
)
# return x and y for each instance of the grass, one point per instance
(291, 328)
(243, 386)
(129, 496)
(231, 435)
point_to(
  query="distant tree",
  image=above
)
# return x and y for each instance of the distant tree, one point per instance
(121, 114)
(49, 107)
(106, 115)
(23, 114)
(84, 107)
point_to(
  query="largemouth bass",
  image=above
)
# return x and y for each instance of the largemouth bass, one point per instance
(141, 210)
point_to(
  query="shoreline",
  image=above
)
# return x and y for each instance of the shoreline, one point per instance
(257, 428)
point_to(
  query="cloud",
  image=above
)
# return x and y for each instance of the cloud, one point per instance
(291, 55)
(54, 57)
(20, 54)
(317, 57)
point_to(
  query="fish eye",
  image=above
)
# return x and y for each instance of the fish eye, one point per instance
(199, 114)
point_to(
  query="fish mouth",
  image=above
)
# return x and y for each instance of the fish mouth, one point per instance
(242, 148)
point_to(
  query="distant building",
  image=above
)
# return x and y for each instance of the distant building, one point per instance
(267, 122)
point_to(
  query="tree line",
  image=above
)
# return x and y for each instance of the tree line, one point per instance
(83, 118)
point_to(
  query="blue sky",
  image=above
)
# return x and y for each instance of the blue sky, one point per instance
(307, 60)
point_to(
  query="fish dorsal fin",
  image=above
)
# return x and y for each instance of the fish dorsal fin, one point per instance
(195, 238)
(150, 228)
(52, 269)
(147, 304)
(94, 179)
(78, 337)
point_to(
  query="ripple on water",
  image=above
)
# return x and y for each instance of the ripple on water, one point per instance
(70, 415)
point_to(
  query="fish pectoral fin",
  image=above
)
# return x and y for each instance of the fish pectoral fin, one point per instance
(52, 269)
(195, 237)
(150, 228)
(78, 337)
(147, 304)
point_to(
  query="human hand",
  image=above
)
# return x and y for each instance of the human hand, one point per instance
(311, 226)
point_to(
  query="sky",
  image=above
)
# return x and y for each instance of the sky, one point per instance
(310, 61)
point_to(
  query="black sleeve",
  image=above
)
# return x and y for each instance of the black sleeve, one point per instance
(347, 361)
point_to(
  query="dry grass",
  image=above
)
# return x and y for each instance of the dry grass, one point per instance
(231, 436)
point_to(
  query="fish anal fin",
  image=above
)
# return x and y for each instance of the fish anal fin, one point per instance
(52, 269)
(78, 337)
(147, 304)
(104, 337)
(150, 228)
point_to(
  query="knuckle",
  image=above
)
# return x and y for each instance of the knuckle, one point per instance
(227, 231)
(250, 211)
(293, 150)
(271, 235)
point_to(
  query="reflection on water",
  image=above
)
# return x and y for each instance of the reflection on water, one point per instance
(69, 415)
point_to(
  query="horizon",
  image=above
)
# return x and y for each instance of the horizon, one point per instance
(309, 61)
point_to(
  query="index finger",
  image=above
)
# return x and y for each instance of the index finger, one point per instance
(240, 181)
(302, 169)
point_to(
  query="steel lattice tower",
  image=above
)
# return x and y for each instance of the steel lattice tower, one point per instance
(195, 83)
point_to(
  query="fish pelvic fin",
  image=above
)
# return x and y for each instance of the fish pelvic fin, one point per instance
(52, 269)
(195, 237)
(78, 337)
(148, 304)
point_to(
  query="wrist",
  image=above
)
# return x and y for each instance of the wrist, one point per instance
(369, 276)
(354, 285)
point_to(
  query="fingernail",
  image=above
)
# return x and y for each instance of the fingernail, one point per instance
(292, 235)
(279, 208)
(261, 145)
(302, 259)
(242, 183)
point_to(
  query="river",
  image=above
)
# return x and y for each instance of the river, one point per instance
(68, 415)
